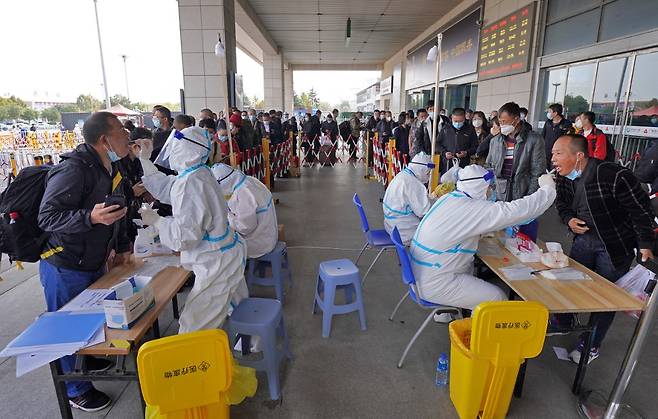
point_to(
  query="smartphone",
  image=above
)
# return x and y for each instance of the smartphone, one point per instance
(115, 200)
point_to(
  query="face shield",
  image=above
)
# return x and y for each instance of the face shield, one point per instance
(478, 187)
(184, 149)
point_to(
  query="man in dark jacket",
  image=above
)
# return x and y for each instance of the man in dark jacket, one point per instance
(555, 127)
(384, 128)
(647, 172)
(456, 140)
(516, 156)
(605, 207)
(163, 125)
(83, 231)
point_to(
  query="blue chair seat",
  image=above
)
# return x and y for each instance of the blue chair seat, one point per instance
(422, 302)
(379, 238)
(256, 311)
(338, 269)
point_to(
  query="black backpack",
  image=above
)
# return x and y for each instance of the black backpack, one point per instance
(20, 235)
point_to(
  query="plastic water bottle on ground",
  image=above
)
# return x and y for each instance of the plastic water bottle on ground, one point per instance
(442, 370)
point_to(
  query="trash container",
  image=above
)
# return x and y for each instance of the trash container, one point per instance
(487, 351)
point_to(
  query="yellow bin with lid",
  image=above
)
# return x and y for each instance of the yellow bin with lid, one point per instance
(486, 353)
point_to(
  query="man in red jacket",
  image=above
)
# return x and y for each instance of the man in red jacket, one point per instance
(597, 143)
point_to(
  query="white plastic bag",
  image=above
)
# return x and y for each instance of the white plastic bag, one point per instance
(635, 281)
(450, 176)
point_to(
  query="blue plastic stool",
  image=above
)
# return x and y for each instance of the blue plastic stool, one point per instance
(278, 260)
(337, 274)
(262, 317)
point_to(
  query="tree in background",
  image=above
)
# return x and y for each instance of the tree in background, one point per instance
(87, 103)
(29, 114)
(51, 115)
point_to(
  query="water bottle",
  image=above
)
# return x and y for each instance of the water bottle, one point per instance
(442, 370)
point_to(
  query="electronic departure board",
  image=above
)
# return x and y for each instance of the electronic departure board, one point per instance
(505, 44)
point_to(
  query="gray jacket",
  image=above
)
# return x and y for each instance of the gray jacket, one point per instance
(529, 162)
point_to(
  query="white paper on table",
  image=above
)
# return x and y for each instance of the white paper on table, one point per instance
(155, 264)
(565, 274)
(89, 300)
(27, 362)
(517, 272)
(561, 353)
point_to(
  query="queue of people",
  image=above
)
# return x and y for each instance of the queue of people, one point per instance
(215, 217)
(176, 178)
(501, 180)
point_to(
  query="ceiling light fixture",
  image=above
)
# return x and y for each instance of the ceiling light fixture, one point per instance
(348, 32)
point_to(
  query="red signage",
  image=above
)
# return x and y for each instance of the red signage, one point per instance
(505, 44)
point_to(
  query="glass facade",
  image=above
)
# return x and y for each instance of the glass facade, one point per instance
(621, 91)
(572, 24)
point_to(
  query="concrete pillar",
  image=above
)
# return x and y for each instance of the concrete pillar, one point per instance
(288, 90)
(273, 81)
(204, 74)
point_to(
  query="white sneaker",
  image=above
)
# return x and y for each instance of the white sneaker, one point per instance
(576, 354)
(444, 318)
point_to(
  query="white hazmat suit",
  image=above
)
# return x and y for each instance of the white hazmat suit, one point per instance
(444, 246)
(406, 200)
(199, 229)
(251, 209)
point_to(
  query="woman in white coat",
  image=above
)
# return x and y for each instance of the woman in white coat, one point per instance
(251, 209)
(199, 228)
(406, 200)
(444, 246)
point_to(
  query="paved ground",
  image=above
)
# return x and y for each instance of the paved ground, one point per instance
(352, 374)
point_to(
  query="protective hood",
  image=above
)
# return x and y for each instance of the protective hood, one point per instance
(229, 178)
(188, 152)
(419, 167)
(471, 180)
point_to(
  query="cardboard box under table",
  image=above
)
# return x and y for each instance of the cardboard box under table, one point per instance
(595, 295)
(166, 286)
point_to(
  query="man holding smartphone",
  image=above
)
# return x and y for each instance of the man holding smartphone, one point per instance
(608, 211)
(83, 210)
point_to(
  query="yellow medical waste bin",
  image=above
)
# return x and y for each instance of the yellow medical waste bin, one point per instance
(487, 351)
(187, 375)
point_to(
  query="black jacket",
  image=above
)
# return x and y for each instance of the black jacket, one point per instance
(620, 208)
(647, 168)
(453, 140)
(423, 137)
(159, 139)
(275, 135)
(551, 132)
(330, 129)
(73, 187)
(401, 134)
(384, 129)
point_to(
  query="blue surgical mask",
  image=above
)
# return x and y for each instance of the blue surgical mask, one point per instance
(575, 173)
(458, 125)
(223, 138)
(493, 196)
(156, 122)
(114, 157)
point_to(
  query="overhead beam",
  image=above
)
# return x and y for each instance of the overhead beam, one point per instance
(248, 45)
(337, 67)
(249, 20)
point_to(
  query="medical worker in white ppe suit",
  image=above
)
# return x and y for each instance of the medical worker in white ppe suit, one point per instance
(443, 249)
(199, 227)
(406, 200)
(251, 211)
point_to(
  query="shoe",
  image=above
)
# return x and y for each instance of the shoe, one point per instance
(577, 353)
(444, 318)
(555, 328)
(98, 364)
(91, 401)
